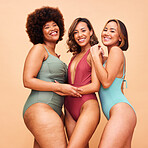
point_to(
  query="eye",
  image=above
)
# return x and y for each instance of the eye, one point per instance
(83, 30)
(54, 25)
(105, 29)
(46, 27)
(112, 31)
(75, 32)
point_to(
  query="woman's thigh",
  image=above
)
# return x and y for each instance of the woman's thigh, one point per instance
(120, 127)
(46, 126)
(70, 123)
(86, 124)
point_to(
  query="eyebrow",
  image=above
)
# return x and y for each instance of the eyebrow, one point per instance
(112, 29)
(49, 25)
(46, 25)
(80, 29)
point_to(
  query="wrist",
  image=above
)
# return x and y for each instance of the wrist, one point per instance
(56, 87)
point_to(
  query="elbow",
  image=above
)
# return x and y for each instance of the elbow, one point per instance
(26, 83)
(96, 87)
(106, 85)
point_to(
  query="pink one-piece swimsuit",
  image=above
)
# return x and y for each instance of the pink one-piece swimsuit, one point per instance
(82, 77)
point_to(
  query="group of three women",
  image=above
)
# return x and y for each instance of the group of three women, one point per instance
(89, 71)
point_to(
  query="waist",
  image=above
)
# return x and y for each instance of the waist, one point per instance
(79, 84)
(47, 79)
(92, 95)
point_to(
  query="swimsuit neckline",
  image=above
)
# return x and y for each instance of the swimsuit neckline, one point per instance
(76, 67)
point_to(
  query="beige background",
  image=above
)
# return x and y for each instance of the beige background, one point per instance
(14, 46)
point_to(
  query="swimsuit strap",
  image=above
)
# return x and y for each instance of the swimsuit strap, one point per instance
(47, 50)
(87, 52)
(125, 82)
(105, 62)
(124, 73)
(123, 69)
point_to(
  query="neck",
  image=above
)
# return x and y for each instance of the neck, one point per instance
(85, 48)
(108, 48)
(50, 45)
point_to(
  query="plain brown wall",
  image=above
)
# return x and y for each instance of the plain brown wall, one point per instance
(14, 46)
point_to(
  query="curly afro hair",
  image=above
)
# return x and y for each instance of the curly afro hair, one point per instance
(37, 19)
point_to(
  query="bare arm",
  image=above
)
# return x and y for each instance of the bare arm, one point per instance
(112, 67)
(94, 86)
(33, 63)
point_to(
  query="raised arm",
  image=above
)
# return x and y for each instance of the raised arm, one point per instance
(112, 66)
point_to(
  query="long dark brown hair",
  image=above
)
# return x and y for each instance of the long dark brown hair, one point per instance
(73, 46)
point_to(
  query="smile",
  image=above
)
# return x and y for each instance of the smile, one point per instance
(53, 33)
(81, 40)
(107, 38)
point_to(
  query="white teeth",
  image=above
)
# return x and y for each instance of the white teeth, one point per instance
(53, 33)
(107, 38)
(81, 40)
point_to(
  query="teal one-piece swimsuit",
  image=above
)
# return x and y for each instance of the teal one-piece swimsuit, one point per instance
(112, 95)
(52, 69)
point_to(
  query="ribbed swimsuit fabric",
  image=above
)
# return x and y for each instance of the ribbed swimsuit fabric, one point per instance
(52, 69)
(112, 95)
(82, 77)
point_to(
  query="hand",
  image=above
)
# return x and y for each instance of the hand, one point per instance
(68, 90)
(97, 50)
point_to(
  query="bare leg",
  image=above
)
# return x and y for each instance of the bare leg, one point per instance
(85, 126)
(46, 126)
(120, 127)
(70, 124)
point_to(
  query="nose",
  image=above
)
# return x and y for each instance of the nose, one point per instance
(106, 32)
(80, 34)
(51, 28)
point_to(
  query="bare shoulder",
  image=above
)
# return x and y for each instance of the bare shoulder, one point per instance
(116, 52)
(116, 49)
(37, 50)
(115, 57)
(38, 47)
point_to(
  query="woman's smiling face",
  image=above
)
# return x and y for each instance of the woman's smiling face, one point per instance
(110, 35)
(82, 34)
(51, 31)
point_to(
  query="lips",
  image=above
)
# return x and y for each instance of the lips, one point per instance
(107, 38)
(81, 40)
(53, 33)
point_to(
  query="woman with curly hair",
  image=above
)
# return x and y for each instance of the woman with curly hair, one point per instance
(82, 114)
(43, 109)
(121, 116)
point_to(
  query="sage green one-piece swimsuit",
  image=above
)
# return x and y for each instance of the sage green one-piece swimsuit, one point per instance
(52, 69)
